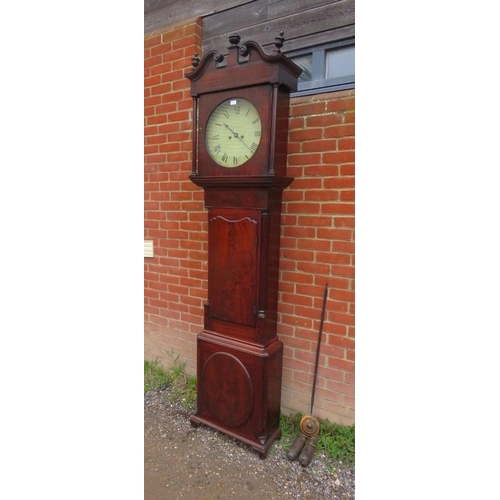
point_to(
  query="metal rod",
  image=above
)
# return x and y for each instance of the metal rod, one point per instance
(325, 294)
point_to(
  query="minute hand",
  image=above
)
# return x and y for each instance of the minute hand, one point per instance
(236, 135)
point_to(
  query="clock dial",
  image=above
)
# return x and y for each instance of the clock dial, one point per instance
(233, 132)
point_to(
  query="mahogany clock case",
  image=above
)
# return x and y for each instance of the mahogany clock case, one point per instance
(239, 356)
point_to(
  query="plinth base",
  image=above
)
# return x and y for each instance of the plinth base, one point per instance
(239, 389)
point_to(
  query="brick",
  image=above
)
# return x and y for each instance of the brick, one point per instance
(344, 222)
(339, 364)
(152, 61)
(151, 130)
(151, 149)
(297, 255)
(324, 121)
(159, 69)
(183, 86)
(343, 246)
(333, 258)
(322, 195)
(313, 244)
(156, 119)
(341, 104)
(152, 80)
(313, 268)
(161, 89)
(156, 139)
(338, 208)
(288, 242)
(310, 290)
(321, 171)
(339, 182)
(339, 131)
(179, 137)
(307, 109)
(340, 341)
(304, 159)
(159, 50)
(339, 157)
(323, 145)
(152, 101)
(297, 277)
(314, 221)
(173, 34)
(335, 234)
(165, 128)
(329, 351)
(155, 158)
(346, 143)
(179, 116)
(304, 208)
(169, 147)
(305, 134)
(152, 41)
(172, 97)
(299, 300)
(347, 195)
(343, 271)
(306, 184)
(299, 232)
(178, 157)
(296, 321)
(347, 169)
(296, 123)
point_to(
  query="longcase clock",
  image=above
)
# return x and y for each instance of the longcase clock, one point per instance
(240, 132)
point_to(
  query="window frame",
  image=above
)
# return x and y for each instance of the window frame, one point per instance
(318, 83)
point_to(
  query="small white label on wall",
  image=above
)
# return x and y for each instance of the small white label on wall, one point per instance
(148, 248)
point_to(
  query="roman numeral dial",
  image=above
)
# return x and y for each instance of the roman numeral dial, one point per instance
(233, 132)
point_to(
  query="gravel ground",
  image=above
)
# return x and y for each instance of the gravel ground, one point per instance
(185, 462)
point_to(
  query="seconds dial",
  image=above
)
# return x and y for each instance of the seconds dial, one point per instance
(233, 132)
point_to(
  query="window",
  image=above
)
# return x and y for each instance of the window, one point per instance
(325, 67)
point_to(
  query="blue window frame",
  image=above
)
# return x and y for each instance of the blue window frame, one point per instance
(326, 67)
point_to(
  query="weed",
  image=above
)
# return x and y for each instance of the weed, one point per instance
(338, 441)
(289, 425)
(182, 387)
(155, 377)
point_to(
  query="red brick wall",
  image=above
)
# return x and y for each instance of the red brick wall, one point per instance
(317, 247)
(175, 279)
(317, 244)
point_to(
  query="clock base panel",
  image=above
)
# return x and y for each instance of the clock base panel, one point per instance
(239, 389)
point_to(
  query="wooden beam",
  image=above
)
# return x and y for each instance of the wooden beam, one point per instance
(159, 14)
(255, 22)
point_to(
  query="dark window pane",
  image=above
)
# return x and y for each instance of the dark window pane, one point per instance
(305, 62)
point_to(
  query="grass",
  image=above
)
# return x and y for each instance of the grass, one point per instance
(336, 441)
(182, 386)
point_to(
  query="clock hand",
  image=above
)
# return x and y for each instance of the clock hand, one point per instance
(236, 135)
